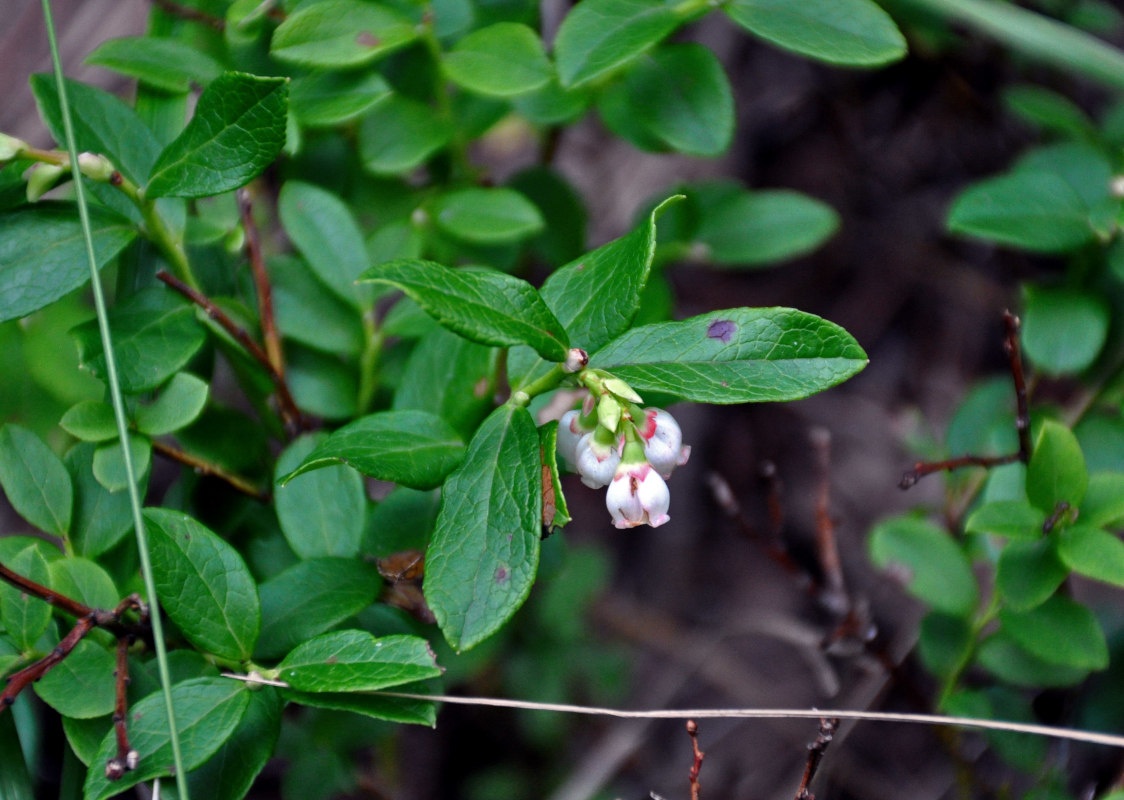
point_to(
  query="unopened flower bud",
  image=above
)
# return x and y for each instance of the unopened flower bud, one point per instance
(41, 178)
(576, 359)
(637, 494)
(663, 441)
(10, 147)
(95, 167)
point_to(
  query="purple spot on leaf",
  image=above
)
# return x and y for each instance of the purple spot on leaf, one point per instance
(721, 329)
(501, 574)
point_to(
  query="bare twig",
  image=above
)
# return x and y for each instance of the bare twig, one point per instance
(109, 620)
(699, 755)
(127, 758)
(19, 681)
(816, 752)
(261, 283)
(835, 594)
(204, 467)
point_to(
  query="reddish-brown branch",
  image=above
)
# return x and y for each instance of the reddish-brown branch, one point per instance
(1014, 358)
(826, 546)
(127, 758)
(261, 283)
(290, 413)
(204, 467)
(19, 681)
(773, 503)
(699, 755)
(1059, 511)
(816, 752)
(923, 468)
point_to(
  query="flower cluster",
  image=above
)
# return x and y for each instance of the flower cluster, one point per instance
(611, 442)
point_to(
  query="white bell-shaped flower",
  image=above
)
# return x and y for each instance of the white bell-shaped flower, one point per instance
(663, 441)
(637, 495)
(597, 460)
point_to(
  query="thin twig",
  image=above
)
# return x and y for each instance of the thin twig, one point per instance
(127, 758)
(816, 752)
(923, 468)
(109, 620)
(19, 681)
(699, 755)
(261, 283)
(827, 548)
(204, 467)
(290, 413)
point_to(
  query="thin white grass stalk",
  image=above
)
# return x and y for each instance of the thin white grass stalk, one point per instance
(1072, 734)
(118, 406)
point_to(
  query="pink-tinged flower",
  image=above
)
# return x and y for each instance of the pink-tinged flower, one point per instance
(663, 441)
(637, 496)
(597, 460)
(569, 434)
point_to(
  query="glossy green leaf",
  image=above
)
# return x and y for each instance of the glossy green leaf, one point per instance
(207, 712)
(483, 305)
(504, 59)
(595, 297)
(1060, 631)
(180, 403)
(984, 422)
(155, 333)
(90, 421)
(237, 131)
(551, 104)
(678, 97)
(1028, 573)
(325, 231)
(1037, 211)
(322, 384)
(1092, 552)
(485, 550)
(324, 99)
(15, 779)
(203, 585)
(355, 661)
(598, 36)
(109, 462)
(1063, 330)
(487, 216)
(853, 33)
(943, 642)
(739, 355)
(412, 448)
(1048, 110)
(308, 314)
(763, 227)
(451, 377)
(399, 133)
(43, 253)
(312, 597)
(403, 520)
(35, 481)
(101, 518)
(925, 558)
(392, 709)
(81, 685)
(1056, 472)
(322, 513)
(340, 33)
(24, 616)
(1104, 500)
(165, 64)
(1011, 518)
(1004, 658)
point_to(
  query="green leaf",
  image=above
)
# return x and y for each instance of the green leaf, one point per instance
(555, 513)
(155, 334)
(24, 616)
(1104, 500)
(340, 33)
(483, 305)
(403, 520)
(1010, 518)
(678, 96)
(322, 513)
(325, 231)
(312, 597)
(83, 580)
(1060, 631)
(35, 481)
(109, 462)
(1092, 552)
(179, 404)
(207, 712)
(392, 709)
(1064, 330)
(399, 133)
(739, 355)
(43, 253)
(1056, 472)
(598, 36)
(324, 99)
(412, 448)
(943, 642)
(165, 64)
(504, 59)
(322, 384)
(485, 550)
(90, 421)
(487, 216)
(237, 131)
(203, 585)
(1002, 656)
(1028, 573)
(853, 33)
(1048, 110)
(595, 297)
(81, 685)
(355, 661)
(551, 104)
(763, 227)
(102, 124)
(933, 567)
(15, 780)
(101, 519)
(308, 314)
(1036, 211)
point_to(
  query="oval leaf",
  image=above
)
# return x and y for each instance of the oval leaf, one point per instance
(934, 569)
(179, 404)
(485, 306)
(237, 131)
(355, 661)
(762, 227)
(24, 616)
(1060, 631)
(35, 480)
(1011, 518)
(399, 133)
(600, 35)
(323, 99)
(340, 33)
(1093, 552)
(81, 685)
(504, 59)
(740, 355)
(165, 64)
(412, 448)
(1063, 330)
(1056, 472)
(203, 585)
(1028, 573)
(484, 553)
(487, 216)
